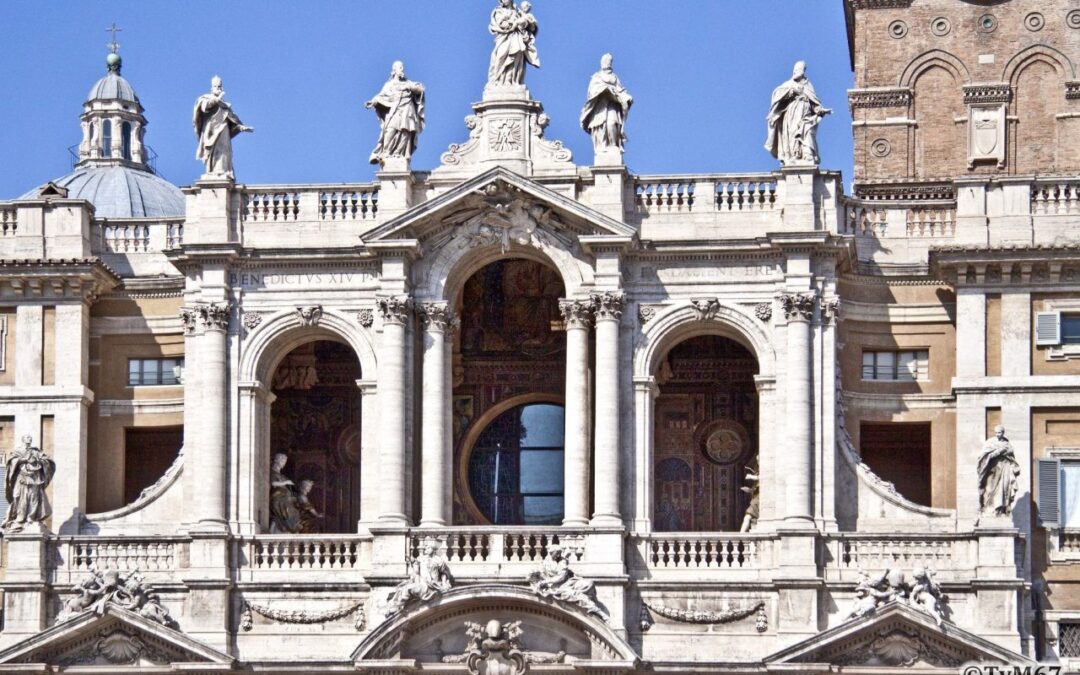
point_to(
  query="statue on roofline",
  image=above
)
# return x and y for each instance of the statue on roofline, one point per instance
(606, 108)
(794, 115)
(215, 125)
(515, 31)
(400, 107)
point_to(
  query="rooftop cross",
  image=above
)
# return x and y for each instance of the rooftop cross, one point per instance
(113, 46)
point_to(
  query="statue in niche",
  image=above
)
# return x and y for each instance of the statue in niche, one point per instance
(752, 488)
(515, 31)
(400, 107)
(429, 576)
(606, 108)
(215, 125)
(291, 510)
(29, 473)
(999, 475)
(556, 580)
(794, 115)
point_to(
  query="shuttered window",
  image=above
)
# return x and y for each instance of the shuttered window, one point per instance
(1048, 328)
(1049, 473)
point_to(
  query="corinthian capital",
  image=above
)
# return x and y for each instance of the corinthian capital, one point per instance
(608, 305)
(395, 309)
(188, 316)
(797, 306)
(437, 316)
(205, 316)
(576, 313)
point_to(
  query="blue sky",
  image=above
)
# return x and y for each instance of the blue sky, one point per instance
(701, 72)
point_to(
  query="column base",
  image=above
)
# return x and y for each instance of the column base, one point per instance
(575, 522)
(798, 523)
(606, 520)
(393, 520)
(433, 522)
(210, 527)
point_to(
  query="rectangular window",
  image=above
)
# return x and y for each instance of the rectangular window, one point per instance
(1070, 494)
(907, 366)
(1069, 639)
(144, 372)
(1070, 329)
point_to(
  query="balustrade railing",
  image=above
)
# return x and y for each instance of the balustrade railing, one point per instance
(174, 235)
(856, 552)
(9, 221)
(125, 237)
(351, 204)
(1055, 198)
(868, 218)
(503, 545)
(701, 551)
(76, 556)
(931, 222)
(270, 206)
(309, 203)
(655, 195)
(298, 553)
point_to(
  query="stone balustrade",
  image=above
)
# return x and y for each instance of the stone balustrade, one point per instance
(135, 236)
(1055, 197)
(717, 556)
(307, 215)
(953, 556)
(300, 558)
(719, 193)
(9, 220)
(873, 219)
(158, 558)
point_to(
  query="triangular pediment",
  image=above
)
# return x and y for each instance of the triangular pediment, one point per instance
(896, 636)
(113, 637)
(500, 199)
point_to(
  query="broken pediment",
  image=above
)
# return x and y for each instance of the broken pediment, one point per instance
(113, 637)
(499, 207)
(896, 636)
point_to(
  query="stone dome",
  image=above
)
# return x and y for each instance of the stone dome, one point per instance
(112, 87)
(121, 192)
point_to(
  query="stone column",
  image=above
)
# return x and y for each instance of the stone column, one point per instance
(645, 393)
(578, 315)
(392, 405)
(213, 433)
(436, 447)
(609, 307)
(369, 449)
(798, 459)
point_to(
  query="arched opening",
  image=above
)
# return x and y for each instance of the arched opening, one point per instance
(315, 423)
(705, 458)
(125, 139)
(1038, 101)
(938, 140)
(106, 138)
(509, 370)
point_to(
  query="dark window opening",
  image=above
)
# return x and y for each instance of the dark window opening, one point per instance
(148, 454)
(899, 452)
(146, 372)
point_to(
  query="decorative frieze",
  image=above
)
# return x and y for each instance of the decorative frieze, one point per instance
(987, 93)
(395, 309)
(309, 317)
(879, 4)
(714, 616)
(797, 306)
(879, 98)
(905, 192)
(1072, 89)
(608, 305)
(576, 313)
(300, 616)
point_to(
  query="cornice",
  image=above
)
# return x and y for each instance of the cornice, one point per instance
(883, 97)
(879, 4)
(995, 92)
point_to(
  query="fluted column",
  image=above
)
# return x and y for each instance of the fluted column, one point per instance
(798, 458)
(395, 314)
(212, 324)
(436, 444)
(577, 314)
(608, 308)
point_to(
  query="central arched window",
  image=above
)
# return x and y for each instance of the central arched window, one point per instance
(516, 467)
(125, 139)
(106, 139)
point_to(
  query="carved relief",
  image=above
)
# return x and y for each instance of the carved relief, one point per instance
(508, 216)
(986, 134)
(830, 310)
(875, 591)
(496, 649)
(366, 318)
(576, 313)
(429, 576)
(554, 579)
(705, 309)
(437, 315)
(763, 311)
(251, 320)
(188, 317)
(714, 616)
(797, 306)
(116, 646)
(110, 586)
(309, 316)
(646, 313)
(899, 647)
(505, 135)
(300, 616)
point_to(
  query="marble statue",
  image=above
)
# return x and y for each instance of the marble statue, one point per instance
(429, 576)
(752, 488)
(794, 115)
(874, 591)
(215, 125)
(926, 594)
(515, 31)
(556, 580)
(606, 108)
(29, 473)
(110, 586)
(400, 107)
(291, 510)
(999, 475)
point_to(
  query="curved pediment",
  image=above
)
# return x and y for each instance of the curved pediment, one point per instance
(437, 633)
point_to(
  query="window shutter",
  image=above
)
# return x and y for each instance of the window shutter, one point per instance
(1049, 491)
(3, 483)
(1048, 328)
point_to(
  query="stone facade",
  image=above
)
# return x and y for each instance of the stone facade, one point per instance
(771, 397)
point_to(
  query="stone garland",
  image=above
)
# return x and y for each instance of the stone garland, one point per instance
(713, 616)
(299, 616)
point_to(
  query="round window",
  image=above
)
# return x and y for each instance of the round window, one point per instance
(516, 467)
